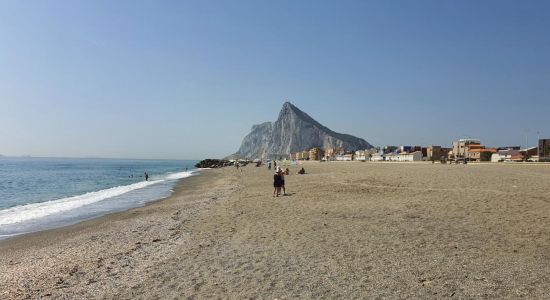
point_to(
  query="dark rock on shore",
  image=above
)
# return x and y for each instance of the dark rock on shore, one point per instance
(212, 163)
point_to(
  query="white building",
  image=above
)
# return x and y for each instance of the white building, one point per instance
(415, 156)
(361, 155)
(506, 155)
(377, 157)
(392, 157)
(344, 157)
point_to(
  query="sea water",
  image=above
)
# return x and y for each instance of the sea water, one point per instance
(44, 193)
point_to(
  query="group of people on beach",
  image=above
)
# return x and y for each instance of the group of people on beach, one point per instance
(279, 181)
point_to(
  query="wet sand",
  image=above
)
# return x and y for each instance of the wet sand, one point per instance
(347, 230)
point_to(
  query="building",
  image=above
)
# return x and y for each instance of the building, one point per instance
(471, 149)
(460, 147)
(446, 153)
(530, 154)
(479, 153)
(361, 155)
(406, 149)
(302, 155)
(544, 150)
(390, 157)
(404, 156)
(316, 154)
(389, 149)
(330, 153)
(424, 151)
(509, 148)
(299, 156)
(414, 156)
(433, 152)
(415, 149)
(378, 156)
(346, 156)
(507, 155)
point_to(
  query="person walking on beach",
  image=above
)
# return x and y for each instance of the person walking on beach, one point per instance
(277, 183)
(269, 165)
(146, 176)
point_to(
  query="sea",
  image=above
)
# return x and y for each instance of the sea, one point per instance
(44, 193)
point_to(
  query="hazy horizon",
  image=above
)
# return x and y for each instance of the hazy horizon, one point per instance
(187, 80)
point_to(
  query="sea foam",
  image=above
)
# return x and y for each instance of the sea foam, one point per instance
(180, 175)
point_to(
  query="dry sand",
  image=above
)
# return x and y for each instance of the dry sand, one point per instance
(347, 230)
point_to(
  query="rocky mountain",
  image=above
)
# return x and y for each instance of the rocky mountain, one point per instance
(293, 131)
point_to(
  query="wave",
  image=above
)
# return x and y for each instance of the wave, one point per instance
(32, 211)
(180, 175)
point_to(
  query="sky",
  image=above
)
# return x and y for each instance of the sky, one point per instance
(188, 79)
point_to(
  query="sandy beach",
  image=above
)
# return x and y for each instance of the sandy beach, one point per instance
(345, 231)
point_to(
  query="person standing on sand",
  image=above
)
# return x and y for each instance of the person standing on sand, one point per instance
(277, 183)
(146, 176)
(282, 181)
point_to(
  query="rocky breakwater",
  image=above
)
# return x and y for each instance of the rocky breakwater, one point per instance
(212, 163)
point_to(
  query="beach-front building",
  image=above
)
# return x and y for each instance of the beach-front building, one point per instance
(507, 155)
(361, 155)
(391, 156)
(330, 153)
(346, 156)
(316, 154)
(405, 156)
(405, 148)
(433, 152)
(530, 154)
(460, 147)
(544, 150)
(415, 156)
(389, 149)
(378, 156)
(479, 153)
(302, 155)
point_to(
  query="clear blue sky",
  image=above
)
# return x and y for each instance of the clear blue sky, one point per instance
(180, 79)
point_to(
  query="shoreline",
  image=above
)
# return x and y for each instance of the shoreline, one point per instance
(90, 255)
(67, 223)
(93, 221)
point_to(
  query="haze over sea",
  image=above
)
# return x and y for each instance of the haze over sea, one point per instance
(43, 193)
